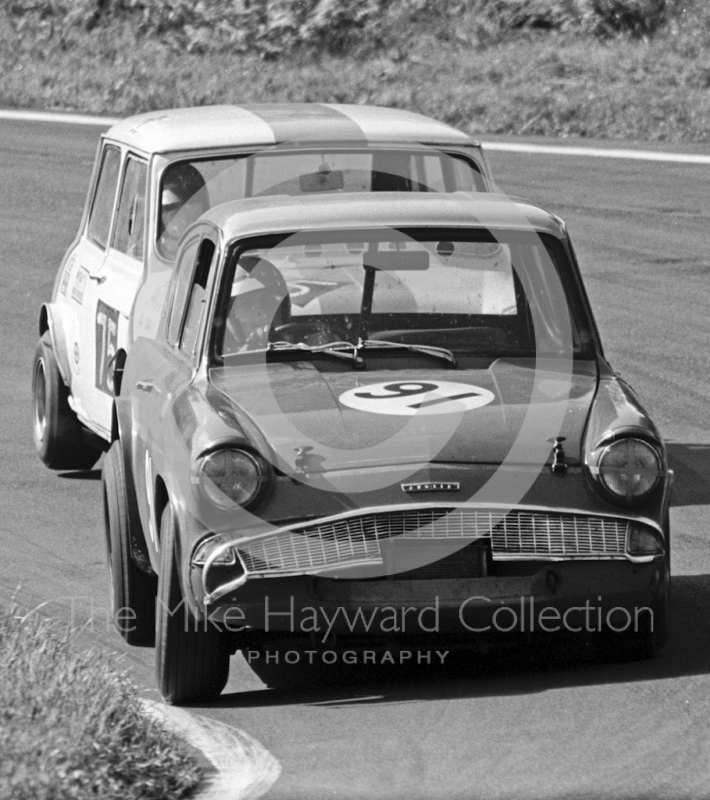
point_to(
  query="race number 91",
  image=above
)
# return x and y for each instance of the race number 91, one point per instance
(406, 398)
(106, 345)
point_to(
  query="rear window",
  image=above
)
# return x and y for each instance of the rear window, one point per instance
(189, 188)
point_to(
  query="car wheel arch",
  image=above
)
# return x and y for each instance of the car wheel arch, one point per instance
(140, 549)
(51, 319)
(160, 501)
(43, 320)
(119, 362)
(115, 428)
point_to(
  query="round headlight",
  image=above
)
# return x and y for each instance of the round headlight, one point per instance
(228, 477)
(629, 469)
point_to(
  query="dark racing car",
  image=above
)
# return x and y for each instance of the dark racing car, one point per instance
(366, 420)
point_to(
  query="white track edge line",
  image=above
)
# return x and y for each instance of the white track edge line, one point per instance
(597, 152)
(245, 769)
(510, 147)
(47, 116)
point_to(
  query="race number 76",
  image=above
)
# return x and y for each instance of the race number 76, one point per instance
(106, 345)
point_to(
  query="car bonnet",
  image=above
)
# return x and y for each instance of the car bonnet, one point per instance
(379, 417)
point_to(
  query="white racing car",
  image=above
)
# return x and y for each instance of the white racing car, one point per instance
(157, 173)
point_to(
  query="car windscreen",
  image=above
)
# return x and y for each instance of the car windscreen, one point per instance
(189, 188)
(468, 292)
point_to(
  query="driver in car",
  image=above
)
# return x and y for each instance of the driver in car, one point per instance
(183, 200)
(260, 305)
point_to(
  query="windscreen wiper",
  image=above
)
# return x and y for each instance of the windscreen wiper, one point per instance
(344, 350)
(427, 349)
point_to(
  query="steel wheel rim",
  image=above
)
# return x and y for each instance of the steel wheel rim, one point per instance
(40, 401)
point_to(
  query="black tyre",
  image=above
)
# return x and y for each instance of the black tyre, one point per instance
(191, 657)
(58, 434)
(133, 591)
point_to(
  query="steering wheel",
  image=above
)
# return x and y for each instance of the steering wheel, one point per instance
(237, 340)
(301, 331)
(288, 328)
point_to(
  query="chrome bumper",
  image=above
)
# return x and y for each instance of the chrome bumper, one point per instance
(341, 542)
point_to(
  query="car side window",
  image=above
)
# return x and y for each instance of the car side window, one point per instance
(102, 207)
(466, 178)
(198, 295)
(183, 281)
(128, 233)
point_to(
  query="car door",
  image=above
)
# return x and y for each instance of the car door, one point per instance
(109, 295)
(82, 271)
(160, 369)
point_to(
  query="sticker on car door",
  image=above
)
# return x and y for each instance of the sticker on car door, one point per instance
(77, 289)
(106, 345)
(66, 274)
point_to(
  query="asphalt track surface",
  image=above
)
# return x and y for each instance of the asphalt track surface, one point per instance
(511, 726)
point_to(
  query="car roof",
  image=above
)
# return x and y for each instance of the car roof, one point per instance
(261, 216)
(262, 124)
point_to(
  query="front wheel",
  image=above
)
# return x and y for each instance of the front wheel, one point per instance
(58, 434)
(133, 591)
(191, 656)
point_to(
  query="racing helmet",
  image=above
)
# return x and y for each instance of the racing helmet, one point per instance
(183, 198)
(265, 286)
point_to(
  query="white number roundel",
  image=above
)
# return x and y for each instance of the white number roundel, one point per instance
(406, 398)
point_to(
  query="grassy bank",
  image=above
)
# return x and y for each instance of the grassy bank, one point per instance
(560, 81)
(71, 726)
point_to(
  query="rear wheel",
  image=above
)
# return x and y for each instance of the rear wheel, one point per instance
(192, 658)
(58, 434)
(133, 591)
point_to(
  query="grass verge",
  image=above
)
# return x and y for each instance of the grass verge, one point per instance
(72, 727)
(546, 82)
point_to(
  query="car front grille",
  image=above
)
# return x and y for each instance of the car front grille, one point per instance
(367, 538)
